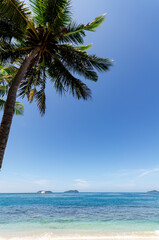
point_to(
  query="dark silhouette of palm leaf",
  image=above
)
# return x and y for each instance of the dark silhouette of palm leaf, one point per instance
(15, 11)
(65, 81)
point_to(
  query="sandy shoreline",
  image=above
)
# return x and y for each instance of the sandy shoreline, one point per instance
(79, 236)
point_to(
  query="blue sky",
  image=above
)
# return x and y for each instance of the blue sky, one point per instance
(109, 143)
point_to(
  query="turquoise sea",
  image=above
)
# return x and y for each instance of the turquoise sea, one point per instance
(79, 216)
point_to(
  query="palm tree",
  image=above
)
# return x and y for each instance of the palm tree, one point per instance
(6, 75)
(46, 41)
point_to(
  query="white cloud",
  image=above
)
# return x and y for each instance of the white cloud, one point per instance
(149, 171)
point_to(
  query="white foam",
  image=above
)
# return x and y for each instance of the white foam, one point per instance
(51, 236)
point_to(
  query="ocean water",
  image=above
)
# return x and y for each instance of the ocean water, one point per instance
(79, 216)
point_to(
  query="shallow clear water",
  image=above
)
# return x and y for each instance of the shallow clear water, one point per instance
(83, 212)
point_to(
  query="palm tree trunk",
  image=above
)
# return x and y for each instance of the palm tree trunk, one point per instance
(10, 103)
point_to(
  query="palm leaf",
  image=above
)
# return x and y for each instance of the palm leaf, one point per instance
(26, 86)
(82, 63)
(18, 109)
(40, 95)
(38, 8)
(31, 80)
(79, 30)
(33, 86)
(10, 31)
(95, 24)
(72, 33)
(65, 81)
(51, 13)
(8, 70)
(41, 99)
(6, 75)
(16, 12)
(54, 13)
(2, 104)
(3, 90)
(83, 48)
(10, 52)
(100, 64)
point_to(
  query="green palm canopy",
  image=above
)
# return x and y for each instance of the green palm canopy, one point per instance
(49, 45)
(6, 76)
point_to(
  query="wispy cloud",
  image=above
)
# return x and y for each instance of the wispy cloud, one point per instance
(137, 172)
(149, 171)
(81, 183)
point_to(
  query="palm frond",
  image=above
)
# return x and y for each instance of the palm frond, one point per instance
(51, 13)
(8, 70)
(38, 8)
(78, 31)
(72, 33)
(9, 52)
(25, 87)
(33, 85)
(7, 73)
(101, 64)
(92, 26)
(65, 81)
(30, 79)
(83, 48)
(40, 95)
(66, 14)
(41, 99)
(10, 31)
(18, 109)
(2, 104)
(16, 12)
(3, 90)
(54, 13)
(82, 63)
(30, 82)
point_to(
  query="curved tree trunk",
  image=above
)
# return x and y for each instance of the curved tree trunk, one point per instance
(10, 103)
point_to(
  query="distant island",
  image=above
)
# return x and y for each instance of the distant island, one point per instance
(72, 191)
(43, 191)
(153, 191)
